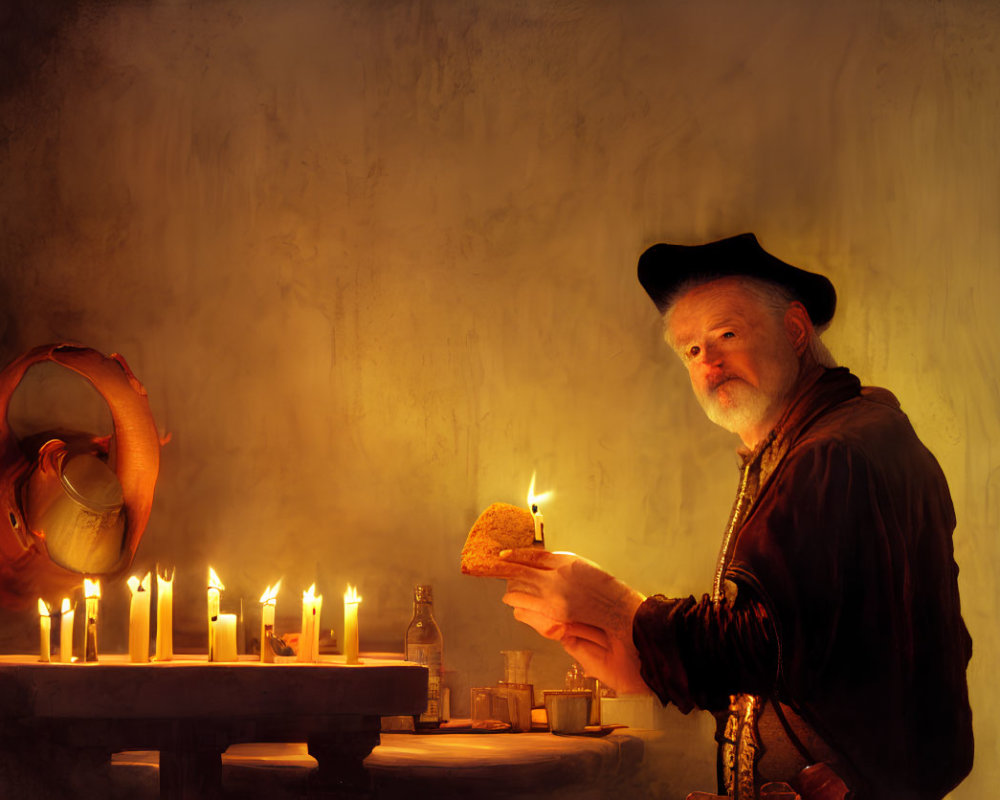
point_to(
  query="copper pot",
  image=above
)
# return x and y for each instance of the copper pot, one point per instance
(75, 502)
(27, 570)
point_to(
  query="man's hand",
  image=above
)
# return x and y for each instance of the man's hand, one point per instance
(570, 599)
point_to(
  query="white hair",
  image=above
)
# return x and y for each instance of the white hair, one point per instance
(772, 296)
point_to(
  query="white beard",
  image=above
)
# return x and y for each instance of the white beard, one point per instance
(742, 406)
(736, 406)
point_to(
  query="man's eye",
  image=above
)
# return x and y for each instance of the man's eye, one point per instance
(693, 351)
(728, 335)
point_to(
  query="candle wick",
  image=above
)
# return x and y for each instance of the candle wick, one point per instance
(534, 508)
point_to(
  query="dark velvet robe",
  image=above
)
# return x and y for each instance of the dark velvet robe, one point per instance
(847, 607)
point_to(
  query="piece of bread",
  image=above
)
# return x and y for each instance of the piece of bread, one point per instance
(499, 527)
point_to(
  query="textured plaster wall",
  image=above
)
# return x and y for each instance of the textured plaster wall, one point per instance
(375, 264)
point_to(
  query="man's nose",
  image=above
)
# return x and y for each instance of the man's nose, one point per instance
(710, 357)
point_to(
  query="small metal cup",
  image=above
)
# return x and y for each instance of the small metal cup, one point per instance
(568, 711)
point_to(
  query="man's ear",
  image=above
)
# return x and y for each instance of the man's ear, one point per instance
(798, 327)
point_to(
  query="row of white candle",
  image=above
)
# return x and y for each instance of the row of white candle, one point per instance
(66, 618)
(138, 617)
(312, 608)
(221, 627)
(138, 621)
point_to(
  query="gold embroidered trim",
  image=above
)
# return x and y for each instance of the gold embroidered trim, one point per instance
(740, 747)
(734, 520)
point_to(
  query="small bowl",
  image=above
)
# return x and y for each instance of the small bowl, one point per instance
(568, 711)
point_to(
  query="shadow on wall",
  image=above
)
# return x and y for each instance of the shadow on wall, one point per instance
(28, 30)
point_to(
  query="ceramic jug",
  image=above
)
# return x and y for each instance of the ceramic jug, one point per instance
(64, 512)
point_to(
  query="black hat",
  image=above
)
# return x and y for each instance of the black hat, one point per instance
(664, 267)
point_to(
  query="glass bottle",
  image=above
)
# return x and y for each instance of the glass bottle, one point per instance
(423, 646)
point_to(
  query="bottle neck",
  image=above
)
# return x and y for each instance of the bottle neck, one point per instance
(423, 596)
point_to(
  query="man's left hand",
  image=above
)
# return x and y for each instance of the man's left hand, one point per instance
(571, 599)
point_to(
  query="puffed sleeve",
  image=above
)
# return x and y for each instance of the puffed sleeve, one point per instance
(696, 653)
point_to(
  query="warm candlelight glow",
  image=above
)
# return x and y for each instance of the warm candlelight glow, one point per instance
(268, 600)
(66, 632)
(91, 594)
(351, 595)
(309, 635)
(214, 587)
(214, 582)
(351, 601)
(225, 638)
(164, 615)
(138, 619)
(535, 507)
(44, 631)
(271, 593)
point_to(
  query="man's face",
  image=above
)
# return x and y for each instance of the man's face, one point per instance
(737, 352)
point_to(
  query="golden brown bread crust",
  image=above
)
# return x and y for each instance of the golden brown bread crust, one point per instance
(499, 527)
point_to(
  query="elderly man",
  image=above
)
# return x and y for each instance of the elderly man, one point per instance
(831, 648)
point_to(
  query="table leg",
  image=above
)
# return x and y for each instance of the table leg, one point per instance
(340, 754)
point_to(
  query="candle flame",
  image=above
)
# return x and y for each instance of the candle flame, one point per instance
(138, 586)
(66, 607)
(213, 580)
(164, 578)
(536, 499)
(310, 593)
(351, 595)
(91, 588)
(271, 594)
(43, 608)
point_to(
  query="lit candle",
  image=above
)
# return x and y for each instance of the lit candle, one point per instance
(66, 632)
(310, 619)
(164, 616)
(351, 602)
(317, 612)
(44, 631)
(268, 602)
(241, 630)
(225, 638)
(138, 619)
(539, 525)
(214, 587)
(92, 595)
(534, 506)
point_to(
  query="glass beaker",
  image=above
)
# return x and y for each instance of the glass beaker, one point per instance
(515, 665)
